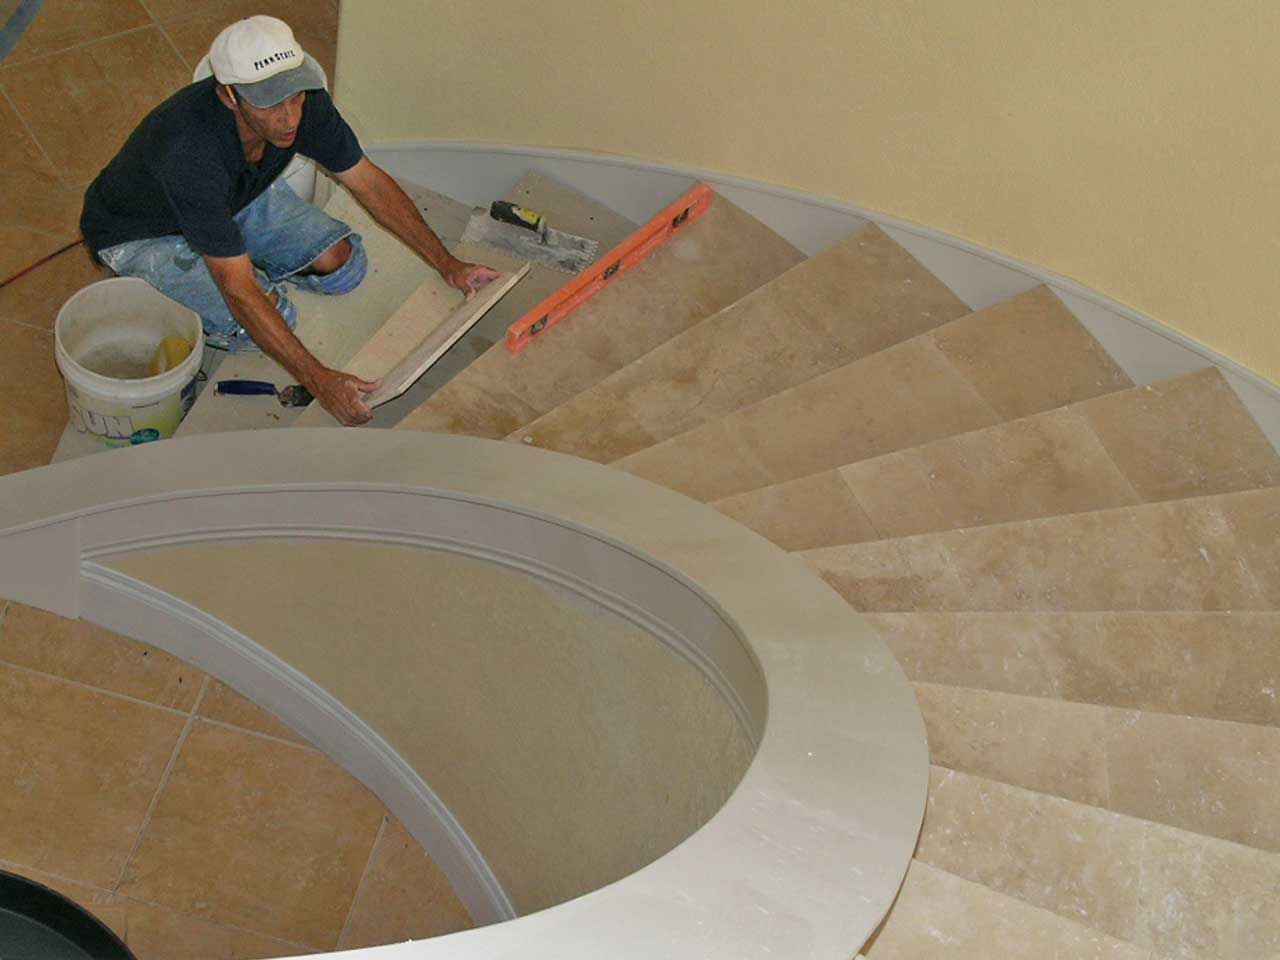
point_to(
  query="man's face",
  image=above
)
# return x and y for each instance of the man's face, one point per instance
(277, 125)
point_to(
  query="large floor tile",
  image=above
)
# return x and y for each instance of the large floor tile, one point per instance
(254, 833)
(21, 246)
(224, 705)
(34, 197)
(79, 651)
(403, 896)
(32, 396)
(35, 298)
(105, 87)
(67, 23)
(80, 771)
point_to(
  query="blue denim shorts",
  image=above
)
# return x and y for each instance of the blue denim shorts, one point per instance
(282, 233)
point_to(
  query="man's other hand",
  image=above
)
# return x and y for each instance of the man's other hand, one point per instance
(342, 394)
(468, 277)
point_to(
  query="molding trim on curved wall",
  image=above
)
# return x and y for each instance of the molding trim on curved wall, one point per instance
(828, 810)
(1145, 349)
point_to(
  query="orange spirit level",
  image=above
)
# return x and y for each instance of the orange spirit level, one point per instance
(609, 267)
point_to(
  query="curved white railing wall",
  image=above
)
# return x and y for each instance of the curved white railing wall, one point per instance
(175, 545)
(1128, 147)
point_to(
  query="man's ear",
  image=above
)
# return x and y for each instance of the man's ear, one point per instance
(227, 95)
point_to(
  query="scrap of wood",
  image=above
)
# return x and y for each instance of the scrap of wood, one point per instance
(433, 345)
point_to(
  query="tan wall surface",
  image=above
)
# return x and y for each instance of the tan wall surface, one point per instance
(572, 747)
(1129, 146)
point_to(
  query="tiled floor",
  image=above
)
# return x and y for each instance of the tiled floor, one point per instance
(190, 821)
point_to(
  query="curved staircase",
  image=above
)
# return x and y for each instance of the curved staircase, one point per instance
(1080, 575)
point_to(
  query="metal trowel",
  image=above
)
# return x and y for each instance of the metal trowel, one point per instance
(523, 233)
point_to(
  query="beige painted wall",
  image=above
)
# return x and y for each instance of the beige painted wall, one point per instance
(572, 747)
(1131, 146)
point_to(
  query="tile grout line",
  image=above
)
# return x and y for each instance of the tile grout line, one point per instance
(364, 874)
(164, 780)
(76, 46)
(173, 46)
(30, 133)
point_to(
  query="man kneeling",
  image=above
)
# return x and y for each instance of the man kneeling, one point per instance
(194, 204)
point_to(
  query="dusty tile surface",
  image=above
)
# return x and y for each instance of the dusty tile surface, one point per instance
(73, 756)
(34, 198)
(940, 917)
(254, 833)
(22, 246)
(1044, 745)
(800, 514)
(860, 296)
(79, 651)
(1208, 776)
(1076, 860)
(403, 896)
(1184, 438)
(1029, 354)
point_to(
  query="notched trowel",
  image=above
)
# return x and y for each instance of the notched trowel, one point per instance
(524, 233)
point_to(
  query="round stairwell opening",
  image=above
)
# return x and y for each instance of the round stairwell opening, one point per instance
(607, 712)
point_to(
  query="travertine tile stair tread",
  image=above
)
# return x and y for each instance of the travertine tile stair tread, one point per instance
(859, 296)
(332, 328)
(1212, 777)
(1188, 436)
(1221, 666)
(566, 209)
(939, 916)
(916, 391)
(1141, 882)
(1204, 553)
(710, 264)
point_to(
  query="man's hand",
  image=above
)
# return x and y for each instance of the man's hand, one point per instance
(342, 394)
(468, 277)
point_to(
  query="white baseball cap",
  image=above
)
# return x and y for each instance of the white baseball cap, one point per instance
(261, 59)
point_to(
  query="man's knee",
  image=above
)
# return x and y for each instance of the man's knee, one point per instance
(332, 259)
(338, 270)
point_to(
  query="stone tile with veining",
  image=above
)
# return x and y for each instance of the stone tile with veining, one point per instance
(106, 86)
(1211, 777)
(939, 916)
(254, 833)
(1044, 745)
(896, 398)
(81, 761)
(1207, 899)
(403, 896)
(858, 297)
(79, 651)
(908, 574)
(1076, 860)
(1185, 437)
(1029, 354)
(800, 514)
(1035, 467)
(713, 262)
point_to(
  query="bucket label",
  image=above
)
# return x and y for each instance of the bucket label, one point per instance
(101, 425)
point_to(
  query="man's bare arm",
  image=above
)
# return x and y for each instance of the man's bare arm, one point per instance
(337, 392)
(390, 206)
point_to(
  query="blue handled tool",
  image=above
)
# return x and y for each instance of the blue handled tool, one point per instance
(295, 395)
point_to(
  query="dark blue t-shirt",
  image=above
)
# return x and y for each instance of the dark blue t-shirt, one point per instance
(183, 171)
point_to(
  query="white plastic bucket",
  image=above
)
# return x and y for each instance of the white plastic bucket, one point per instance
(114, 327)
